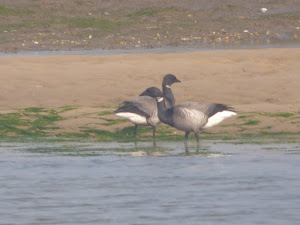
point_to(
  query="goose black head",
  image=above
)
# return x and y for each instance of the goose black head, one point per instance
(153, 92)
(170, 79)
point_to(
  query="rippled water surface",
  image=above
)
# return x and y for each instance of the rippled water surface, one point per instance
(138, 183)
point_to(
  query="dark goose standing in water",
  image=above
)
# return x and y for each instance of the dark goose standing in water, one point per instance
(142, 111)
(192, 116)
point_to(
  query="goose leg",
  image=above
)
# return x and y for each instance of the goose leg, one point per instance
(154, 130)
(185, 142)
(186, 136)
(154, 145)
(197, 138)
(135, 130)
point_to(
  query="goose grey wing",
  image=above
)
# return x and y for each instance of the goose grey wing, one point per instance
(202, 115)
(147, 104)
(212, 109)
(144, 106)
(209, 109)
(190, 110)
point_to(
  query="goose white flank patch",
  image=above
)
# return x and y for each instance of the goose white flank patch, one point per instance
(218, 118)
(133, 117)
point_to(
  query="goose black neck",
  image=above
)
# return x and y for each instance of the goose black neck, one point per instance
(168, 94)
(165, 114)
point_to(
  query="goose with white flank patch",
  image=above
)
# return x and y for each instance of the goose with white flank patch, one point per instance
(142, 111)
(192, 116)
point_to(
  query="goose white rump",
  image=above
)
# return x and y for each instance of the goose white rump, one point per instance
(218, 118)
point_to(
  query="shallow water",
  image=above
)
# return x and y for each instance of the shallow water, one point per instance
(138, 183)
(164, 50)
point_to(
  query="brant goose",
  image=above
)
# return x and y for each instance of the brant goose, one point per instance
(143, 110)
(192, 116)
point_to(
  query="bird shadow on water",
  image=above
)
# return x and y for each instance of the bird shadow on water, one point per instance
(198, 150)
(165, 149)
(150, 148)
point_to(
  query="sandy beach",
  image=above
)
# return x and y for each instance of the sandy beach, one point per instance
(250, 80)
(258, 80)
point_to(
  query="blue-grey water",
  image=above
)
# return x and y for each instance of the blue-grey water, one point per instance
(247, 45)
(138, 183)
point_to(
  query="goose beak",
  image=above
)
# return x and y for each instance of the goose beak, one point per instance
(177, 80)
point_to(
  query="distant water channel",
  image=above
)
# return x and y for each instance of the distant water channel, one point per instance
(138, 183)
(163, 50)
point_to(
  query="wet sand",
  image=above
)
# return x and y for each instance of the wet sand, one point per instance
(258, 80)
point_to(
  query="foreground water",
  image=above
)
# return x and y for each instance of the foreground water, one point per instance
(138, 183)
